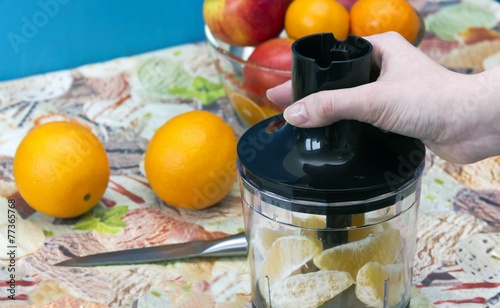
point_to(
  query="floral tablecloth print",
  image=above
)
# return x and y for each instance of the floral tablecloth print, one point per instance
(123, 101)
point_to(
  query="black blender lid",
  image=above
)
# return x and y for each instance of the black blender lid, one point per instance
(343, 162)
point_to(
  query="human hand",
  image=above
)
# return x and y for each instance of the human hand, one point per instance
(455, 115)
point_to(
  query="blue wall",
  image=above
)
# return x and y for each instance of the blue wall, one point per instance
(38, 36)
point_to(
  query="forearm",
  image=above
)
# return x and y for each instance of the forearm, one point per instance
(484, 107)
(472, 118)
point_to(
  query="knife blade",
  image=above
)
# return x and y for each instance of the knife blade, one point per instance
(230, 246)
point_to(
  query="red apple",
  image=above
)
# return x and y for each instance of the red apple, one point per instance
(244, 22)
(272, 54)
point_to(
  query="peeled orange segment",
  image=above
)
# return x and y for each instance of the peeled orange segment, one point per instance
(371, 280)
(287, 254)
(350, 257)
(266, 237)
(364, 232)
(248, 111)
(309, 223)
(309, 290)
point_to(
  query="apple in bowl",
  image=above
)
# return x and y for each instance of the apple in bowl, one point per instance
(244, 22)
(270, 64)
(246, 82)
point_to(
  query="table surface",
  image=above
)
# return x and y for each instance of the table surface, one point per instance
(459, 214)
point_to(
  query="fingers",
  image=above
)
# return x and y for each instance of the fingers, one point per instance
(393, 54)
(282, 94)
(363, 103)
(387, 44)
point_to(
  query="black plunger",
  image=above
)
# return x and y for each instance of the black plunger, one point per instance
(320, 62)
(341, 170)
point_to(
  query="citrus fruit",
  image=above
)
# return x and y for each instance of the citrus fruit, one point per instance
(305, 17)
(350, 257)
(370, 283)
(309, 290)
(265, 238)
(190, 161)
(360, 233)
(308, 223)
(370, 17)
(61, 169)
(286, 255)
(249, 112)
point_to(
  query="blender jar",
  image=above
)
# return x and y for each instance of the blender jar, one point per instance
(330, 213)
(363, 260)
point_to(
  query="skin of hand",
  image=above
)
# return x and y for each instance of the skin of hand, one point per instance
(457, 116)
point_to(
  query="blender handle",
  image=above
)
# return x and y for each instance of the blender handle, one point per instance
(232, 246)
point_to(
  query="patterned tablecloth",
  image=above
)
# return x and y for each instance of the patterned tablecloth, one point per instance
(123, 101)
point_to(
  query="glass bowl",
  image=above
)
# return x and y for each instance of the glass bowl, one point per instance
(245, 82)
(246, 93)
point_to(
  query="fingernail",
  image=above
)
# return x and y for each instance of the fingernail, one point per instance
(296, 114)
(269, 91)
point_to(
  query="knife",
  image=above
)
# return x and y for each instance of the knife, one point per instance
(230, 246)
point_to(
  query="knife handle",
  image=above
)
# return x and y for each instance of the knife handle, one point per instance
(231, 246)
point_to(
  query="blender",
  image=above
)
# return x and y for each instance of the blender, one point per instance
(330, 213)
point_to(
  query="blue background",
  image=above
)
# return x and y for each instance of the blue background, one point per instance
(38, 36)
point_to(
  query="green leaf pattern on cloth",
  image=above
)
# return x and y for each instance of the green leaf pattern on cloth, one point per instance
(453, 19)
(105, 221)
(164, 78)
(202, 89)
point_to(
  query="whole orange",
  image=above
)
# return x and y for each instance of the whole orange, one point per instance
(61, 169)
(190, 161)
(370, 17)
(305, 17)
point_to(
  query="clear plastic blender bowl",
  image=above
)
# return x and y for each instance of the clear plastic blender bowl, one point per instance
(297, 261)
(330, 212)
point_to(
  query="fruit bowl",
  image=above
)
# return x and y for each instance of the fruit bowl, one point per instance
(246, 93)
(243, 83)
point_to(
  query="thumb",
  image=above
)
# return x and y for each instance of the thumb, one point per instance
(363, 103)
